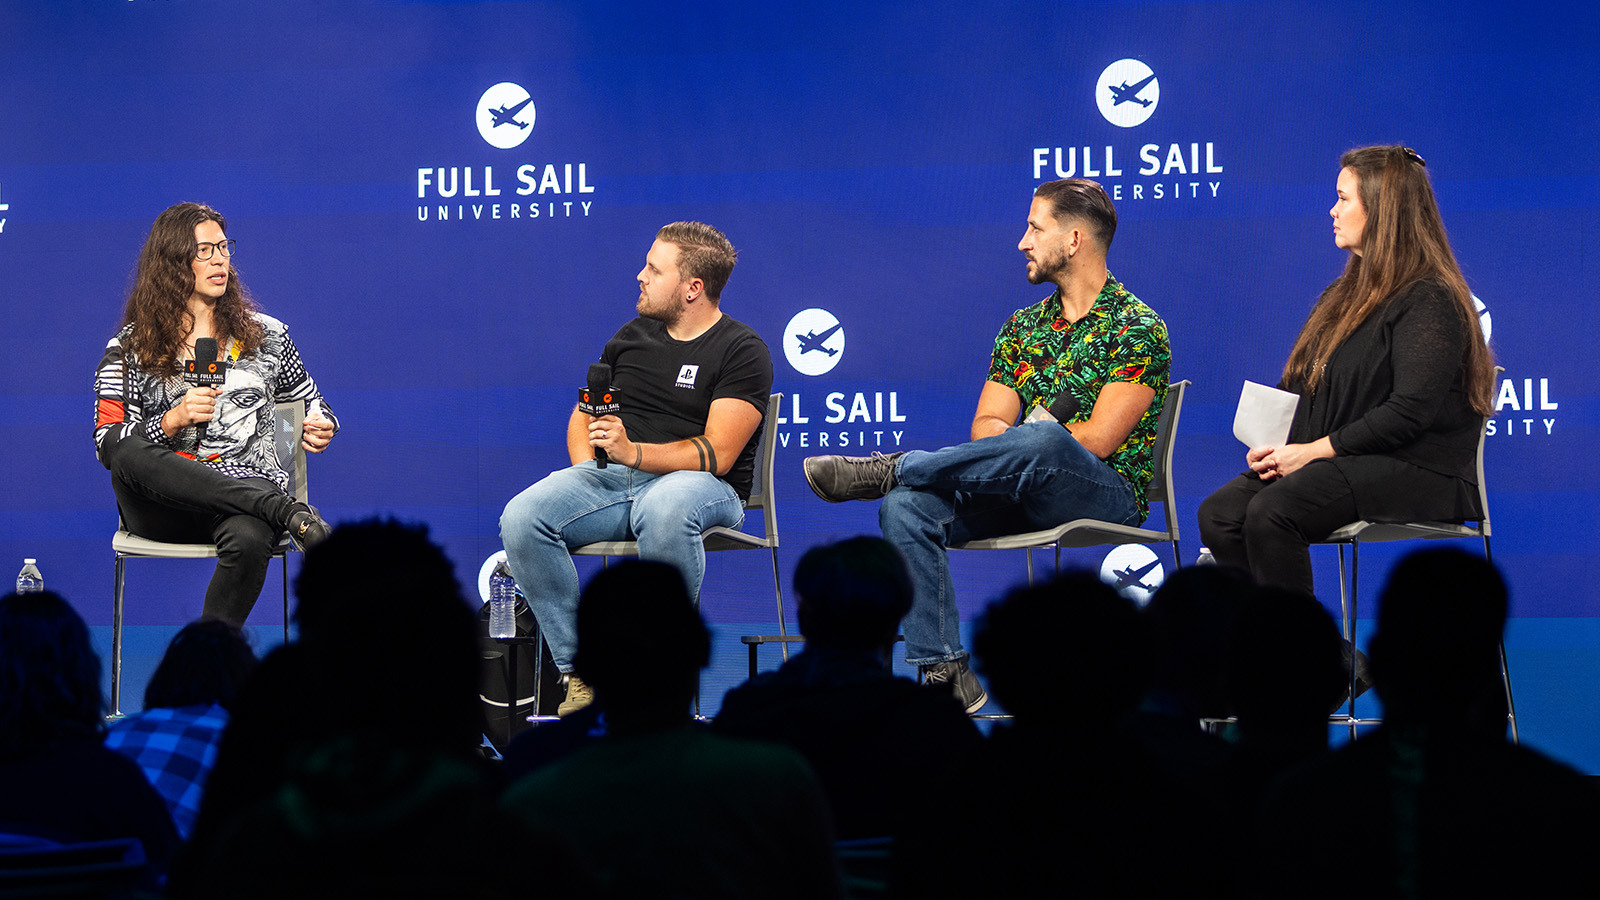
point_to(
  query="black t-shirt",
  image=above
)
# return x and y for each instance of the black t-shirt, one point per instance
(666, 386)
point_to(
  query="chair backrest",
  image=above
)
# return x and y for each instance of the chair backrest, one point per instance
(291, 454)
(1160, 488)
(1483, 486)
(762, 496)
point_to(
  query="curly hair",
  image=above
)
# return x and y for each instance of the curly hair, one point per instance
(163, 281)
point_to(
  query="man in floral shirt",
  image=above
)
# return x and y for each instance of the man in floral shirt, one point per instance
(1088, 366)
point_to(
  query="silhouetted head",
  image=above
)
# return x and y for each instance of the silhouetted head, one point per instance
(1189, 618)
(641, 642)
(1285, 666)
(379, 606)
(205, 663)
(853, 594)
(49, 674)
(1071, 647)
(1436, 649)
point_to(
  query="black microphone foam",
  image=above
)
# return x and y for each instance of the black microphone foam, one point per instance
(206, 371)
(598, 397)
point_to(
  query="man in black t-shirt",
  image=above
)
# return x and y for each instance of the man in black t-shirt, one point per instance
(693, 385)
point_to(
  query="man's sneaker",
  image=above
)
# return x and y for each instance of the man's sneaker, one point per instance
(305, 526)
(578, 696)
(962, 680)
(840, 478)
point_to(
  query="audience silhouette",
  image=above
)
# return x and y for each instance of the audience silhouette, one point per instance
(1435, 802)
(57, 779)
(880, 744)
(1062, 797)
(661, 806)
(174, 739)
(351, 764)
(1188, 621)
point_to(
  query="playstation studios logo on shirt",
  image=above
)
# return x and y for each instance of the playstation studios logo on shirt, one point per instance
(687, 375)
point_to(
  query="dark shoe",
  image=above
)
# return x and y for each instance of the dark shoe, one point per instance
(963, 682)
(1363, 678)
(578, 696)
(840, 478)
(305, 526)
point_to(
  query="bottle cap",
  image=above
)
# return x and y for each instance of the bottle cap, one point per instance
(29, 562)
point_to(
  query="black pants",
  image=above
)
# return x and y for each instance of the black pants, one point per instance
(167, 497)
(1266, 528)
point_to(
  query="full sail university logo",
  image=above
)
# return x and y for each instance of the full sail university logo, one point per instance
(1127, 94)
(1522, 407)
(536, 191)
(505, 115)
(813, 343)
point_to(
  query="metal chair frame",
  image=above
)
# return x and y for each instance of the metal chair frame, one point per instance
(763, 496)
(1362, 531)
(126, 545)
(1095, 532)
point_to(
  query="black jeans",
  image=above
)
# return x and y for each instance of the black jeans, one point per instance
(167, 497)
(1267, 528)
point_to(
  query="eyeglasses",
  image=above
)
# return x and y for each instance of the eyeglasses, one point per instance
(203, 250)
(1414, 156)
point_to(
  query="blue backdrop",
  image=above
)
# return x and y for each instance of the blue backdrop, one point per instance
(875, 164)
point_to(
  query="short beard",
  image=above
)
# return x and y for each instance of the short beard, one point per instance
(667, 317)
(1046, 270)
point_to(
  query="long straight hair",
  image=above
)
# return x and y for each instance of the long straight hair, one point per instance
(158, 305)
(1404, 242)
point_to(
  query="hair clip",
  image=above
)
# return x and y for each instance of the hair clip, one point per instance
(1415, 156)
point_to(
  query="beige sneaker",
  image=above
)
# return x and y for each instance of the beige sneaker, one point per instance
(579, 695)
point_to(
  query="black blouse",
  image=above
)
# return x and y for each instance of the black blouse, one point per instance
(1393, 401)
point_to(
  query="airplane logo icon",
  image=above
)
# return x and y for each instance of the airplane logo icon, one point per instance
(1124, 93)
(508, 115)
(1127, 93)
(1129, 577)
(506, 103)
(811, 340)
(818, 330)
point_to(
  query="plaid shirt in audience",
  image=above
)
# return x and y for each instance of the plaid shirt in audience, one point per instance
(176, 748)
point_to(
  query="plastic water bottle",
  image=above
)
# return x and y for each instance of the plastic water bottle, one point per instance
(29, 581)
(1206, 559)
(502, 602)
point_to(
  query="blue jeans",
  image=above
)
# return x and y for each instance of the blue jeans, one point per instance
(583, 504)
(1027, 478)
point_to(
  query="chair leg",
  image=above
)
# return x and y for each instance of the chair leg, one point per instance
(116, 635)
(1029, 551)
(1355, 574)
(1177, 558)
(777, 588)
(285, 559)
(1505, 669)
(1058, 560)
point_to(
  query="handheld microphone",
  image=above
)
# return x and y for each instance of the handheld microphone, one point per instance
(599, 399)
(205, 370)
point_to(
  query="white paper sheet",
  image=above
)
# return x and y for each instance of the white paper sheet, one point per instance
(1264, 415)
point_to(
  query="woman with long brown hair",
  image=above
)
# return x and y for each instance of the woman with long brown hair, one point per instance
(197, 464)
(1394, 380)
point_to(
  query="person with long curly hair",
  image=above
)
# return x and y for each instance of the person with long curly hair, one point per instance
(1394, 379)
(197, 464)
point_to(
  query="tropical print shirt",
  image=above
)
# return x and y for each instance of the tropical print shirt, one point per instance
(1062, 366)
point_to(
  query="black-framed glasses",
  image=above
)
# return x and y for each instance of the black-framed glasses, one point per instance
(202, 251)
(1414, 156)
